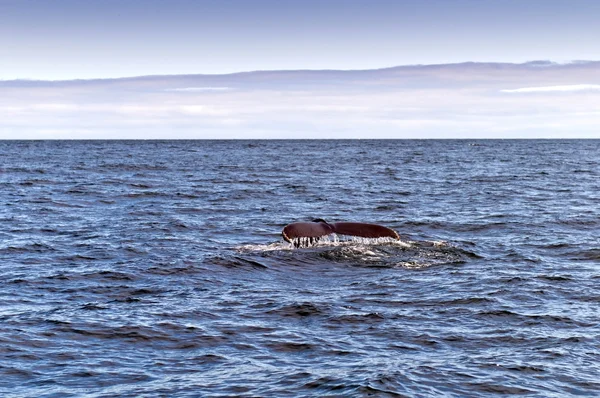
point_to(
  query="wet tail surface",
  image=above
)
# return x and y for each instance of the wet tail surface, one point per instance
(319, 228)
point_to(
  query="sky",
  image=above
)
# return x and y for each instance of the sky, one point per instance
(74, 39)
(63, 40)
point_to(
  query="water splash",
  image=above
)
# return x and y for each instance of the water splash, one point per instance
(380, 252)
(337, 240)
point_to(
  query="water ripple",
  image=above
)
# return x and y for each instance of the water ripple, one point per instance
(156, 268)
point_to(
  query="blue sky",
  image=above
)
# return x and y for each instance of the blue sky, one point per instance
(71, 39)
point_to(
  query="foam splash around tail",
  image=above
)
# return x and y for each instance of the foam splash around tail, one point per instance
(369, 252)
(335, 240)
(332, 241)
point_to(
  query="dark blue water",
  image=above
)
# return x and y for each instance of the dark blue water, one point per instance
(157, 269)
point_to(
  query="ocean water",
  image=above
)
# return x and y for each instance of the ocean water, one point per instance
(157, 268)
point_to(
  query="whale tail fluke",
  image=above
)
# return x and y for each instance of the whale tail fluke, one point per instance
(306, 230)
(364, 230)
(311, 232)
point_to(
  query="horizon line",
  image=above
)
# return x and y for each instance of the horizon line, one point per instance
(535, 63)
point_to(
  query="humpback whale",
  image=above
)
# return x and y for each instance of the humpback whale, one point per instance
(318, 228)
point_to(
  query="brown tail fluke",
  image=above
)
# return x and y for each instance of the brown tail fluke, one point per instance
(306, 230)
(364, 230)
(315, 230)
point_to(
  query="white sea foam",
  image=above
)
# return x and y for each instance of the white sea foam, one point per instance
(327, 241)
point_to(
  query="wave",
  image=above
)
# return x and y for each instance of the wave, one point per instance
(586, 255)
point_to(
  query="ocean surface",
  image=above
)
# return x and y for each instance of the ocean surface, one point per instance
(157, 268)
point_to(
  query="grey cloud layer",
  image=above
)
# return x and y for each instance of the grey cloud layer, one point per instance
(536, 99)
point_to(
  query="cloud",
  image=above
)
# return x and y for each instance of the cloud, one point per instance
(561, 89)
(439, 101)
(198, 89)
(202, 110)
